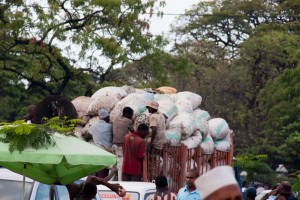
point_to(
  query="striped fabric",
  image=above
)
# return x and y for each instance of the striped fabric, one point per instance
(163, 196)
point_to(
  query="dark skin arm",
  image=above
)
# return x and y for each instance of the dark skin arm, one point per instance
(74, 189)
(153, 133)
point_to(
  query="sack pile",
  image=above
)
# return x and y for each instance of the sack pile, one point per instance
(186, 123)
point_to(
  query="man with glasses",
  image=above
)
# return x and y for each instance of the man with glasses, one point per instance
(189, 192)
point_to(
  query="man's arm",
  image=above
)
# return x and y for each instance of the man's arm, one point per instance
(117, 188)
(153, 134)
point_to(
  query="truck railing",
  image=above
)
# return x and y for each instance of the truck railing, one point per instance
(175, 161)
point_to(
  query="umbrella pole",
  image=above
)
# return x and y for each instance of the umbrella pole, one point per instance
(24, 175)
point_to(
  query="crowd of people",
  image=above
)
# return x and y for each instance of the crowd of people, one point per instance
(127, 144)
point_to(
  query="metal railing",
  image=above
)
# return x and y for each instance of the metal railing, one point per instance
(175, 161)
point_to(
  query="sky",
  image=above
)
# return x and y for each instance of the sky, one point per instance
(159, 25)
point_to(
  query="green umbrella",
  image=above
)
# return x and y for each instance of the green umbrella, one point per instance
(68, 160)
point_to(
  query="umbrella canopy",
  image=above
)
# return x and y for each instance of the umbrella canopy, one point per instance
(66, 161)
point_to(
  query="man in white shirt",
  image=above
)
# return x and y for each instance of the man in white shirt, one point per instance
(102, 136)
(102, 130)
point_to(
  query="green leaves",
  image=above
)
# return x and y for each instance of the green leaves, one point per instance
(20, 135)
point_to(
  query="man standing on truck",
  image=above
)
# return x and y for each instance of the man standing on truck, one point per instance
(134, 151)
(190, 192)
(157, 124)
(121, 126)
(102, 136)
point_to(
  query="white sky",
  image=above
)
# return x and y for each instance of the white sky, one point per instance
(159, 25)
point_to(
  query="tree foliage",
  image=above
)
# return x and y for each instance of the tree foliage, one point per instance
(280, 106)
(68, 47)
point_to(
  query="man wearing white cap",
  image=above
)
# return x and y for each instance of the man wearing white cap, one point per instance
(102, 130)
(157, 124)
(219, 184)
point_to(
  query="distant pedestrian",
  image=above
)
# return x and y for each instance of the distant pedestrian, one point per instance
(285, 191)
(121, 126)
(134, 151)
(189, 192)
(250, 193)
(101, 132)
(219, 184)
(162, 189)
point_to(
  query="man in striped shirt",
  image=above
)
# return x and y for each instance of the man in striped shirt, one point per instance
(121, 126)
(162, 190)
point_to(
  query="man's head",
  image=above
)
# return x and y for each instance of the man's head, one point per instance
(143, 130)
(191, 177)
(152, 106)
(219, 184)
(161, 182)
(250, 193)
(128, 112)
(104, 114)
(89, 190)
(285, 188)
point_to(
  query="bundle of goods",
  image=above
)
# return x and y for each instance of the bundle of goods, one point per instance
(186, 123)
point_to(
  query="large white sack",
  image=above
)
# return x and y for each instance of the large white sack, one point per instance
(201, 114)
(128, 89)
(107, 102)
(161, 97)
(137, 102)
(207, 145)
(184, 106)
(201, 117)
(193, 98)
(185, 122)
(91, 122)
(173, 136)
(117, 92)
(81, 105)
(173, 97)
(144, 92)
(167, 108)
(141, 119)
(78, 132)
(222, 145)
(218, 128)
(193, 141)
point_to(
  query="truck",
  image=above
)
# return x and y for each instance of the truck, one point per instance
(175, 161)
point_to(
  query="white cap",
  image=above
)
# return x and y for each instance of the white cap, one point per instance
(103, 113)
(215, 179)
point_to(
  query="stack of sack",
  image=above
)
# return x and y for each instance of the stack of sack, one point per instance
(186, 123)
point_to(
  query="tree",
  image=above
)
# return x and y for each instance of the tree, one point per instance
(279, 104)
(46, 45)
(230, 22)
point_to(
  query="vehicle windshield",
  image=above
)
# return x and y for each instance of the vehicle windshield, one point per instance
(12, 190)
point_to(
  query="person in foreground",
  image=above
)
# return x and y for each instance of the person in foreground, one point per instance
(88, 189)
(219, 184)
(162, 190)
(189, 192)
